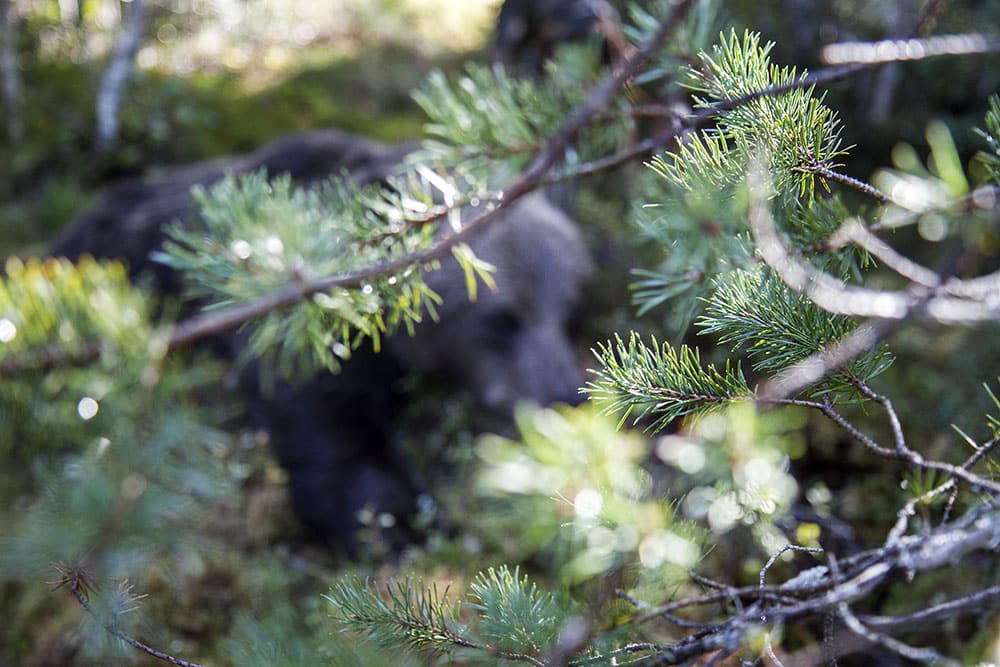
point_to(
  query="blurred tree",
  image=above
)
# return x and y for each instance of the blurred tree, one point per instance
(10, 74)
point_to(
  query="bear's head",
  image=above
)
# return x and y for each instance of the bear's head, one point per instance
(513, 342)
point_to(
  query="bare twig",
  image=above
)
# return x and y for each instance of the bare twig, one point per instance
(836, 296)
(976, 603)
(815, 367)
(788, 547)
(852, 231)
(901, 452)
(901, 50)
(907, 511)
(894, 645)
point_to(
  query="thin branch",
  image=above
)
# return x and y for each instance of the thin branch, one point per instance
(827, 409)
(900, 50)
(836, 296)
(636, 151)
(47, 358)
(901, 451)
(894, 645)
(788, 547)
(976, 603)
(807, 372)
(895, 424)
(813, 166)
(852, 231)
(827, 75)
(79, 589)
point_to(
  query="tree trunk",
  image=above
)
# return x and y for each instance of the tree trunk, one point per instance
(113, 81)
(10, 74)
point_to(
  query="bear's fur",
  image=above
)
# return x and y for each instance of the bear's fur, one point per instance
(335, 434)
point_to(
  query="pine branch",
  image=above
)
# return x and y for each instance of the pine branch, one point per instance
(78, 585)
(514, 614)
(531, 178)
(660, 381)
(778, 328)
(54, 314)
(419, 617)
(413, 615)
(795, 127)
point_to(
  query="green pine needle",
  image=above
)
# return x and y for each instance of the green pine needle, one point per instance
(990, 157)
(777, 327)
(513, 614)
(798, 133)
(660, 381)
(256, 236)
(407, 615)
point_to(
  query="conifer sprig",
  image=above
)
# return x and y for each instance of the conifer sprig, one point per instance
(409, 614)
(800, 134)
(257, 236)
(990, 156)
(778, 327)
(514, 615)
(488, 116)
(516, 620)
(55, 313)
(660, 381)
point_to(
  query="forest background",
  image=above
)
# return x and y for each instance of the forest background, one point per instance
(219, 78)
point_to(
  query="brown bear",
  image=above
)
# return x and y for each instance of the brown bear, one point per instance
(335, 435)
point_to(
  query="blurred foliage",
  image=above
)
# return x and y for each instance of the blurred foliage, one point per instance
(255, 236)
(171, 117)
